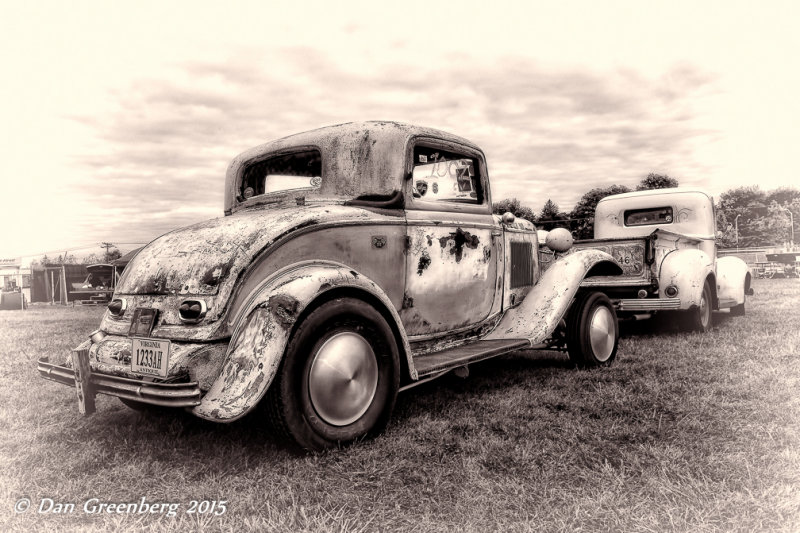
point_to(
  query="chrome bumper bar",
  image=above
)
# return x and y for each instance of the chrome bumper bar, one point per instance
(648, 304)
(164, 394)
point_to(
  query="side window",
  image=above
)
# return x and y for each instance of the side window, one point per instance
(443, 176)
(287, 172)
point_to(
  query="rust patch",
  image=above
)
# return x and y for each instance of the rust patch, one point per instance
(460, 239)
(430, 240)
(424, 263)
(487, 253)
(408, 301)
(284, 308)
(217, 273)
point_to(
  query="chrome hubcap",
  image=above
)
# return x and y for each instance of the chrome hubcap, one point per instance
(602, 333)
(343, 378)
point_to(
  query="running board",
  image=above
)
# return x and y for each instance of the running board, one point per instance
(467, 353)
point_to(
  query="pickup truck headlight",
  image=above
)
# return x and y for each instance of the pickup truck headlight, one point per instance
(192, 311)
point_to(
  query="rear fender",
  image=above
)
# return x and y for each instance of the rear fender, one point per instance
(732, 274)
(537, 316)
(687, 269)
(264, 328)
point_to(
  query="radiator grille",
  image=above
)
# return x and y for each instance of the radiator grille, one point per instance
(521, 264)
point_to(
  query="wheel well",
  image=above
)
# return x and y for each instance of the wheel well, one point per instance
(372, 300)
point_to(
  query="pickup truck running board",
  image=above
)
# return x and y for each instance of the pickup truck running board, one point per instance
(468, 353)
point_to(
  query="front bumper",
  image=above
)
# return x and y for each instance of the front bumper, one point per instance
(648, 304)
(149, 392)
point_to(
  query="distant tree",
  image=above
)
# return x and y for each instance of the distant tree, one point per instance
(782, 196)
(514, 207)
(741, 199)
(550, 217)
(656, 181)
(768, 230)
(583, 213)
(113, 254)
(90, 259)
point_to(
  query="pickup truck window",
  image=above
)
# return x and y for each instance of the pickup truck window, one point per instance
(286, 172)
(644, 217)
(444, 176)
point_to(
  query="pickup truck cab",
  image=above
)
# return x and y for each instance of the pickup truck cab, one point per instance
(353, 262)
(664, 239)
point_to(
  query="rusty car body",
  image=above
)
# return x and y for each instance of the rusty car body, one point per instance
(664, 240)
(353, 262)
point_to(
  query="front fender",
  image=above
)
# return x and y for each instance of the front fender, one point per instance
(687, 269)
(732, 275)
(263, 330)
(537, 316)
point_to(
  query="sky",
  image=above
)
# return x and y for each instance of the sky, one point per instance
(120, 118)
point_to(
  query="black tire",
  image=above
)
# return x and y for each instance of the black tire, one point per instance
(331, 330)
(738, 310)
(698, 318)
(585, 347)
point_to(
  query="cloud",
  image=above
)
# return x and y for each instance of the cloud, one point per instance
(548, 132)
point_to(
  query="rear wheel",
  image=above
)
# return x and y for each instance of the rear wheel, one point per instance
(339, 378)
(698, 318)
(592, 330)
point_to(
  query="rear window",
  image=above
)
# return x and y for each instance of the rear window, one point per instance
(283, 173)
(645, 217)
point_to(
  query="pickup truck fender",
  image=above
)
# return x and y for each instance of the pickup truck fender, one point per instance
(687, 269)
(545, 305)
(733, 278)
(265, 326)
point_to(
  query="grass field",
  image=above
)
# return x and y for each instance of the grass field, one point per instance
(686, 432)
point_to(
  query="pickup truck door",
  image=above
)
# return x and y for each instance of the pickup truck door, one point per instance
(452, 244)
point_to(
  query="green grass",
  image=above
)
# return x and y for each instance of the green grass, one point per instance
(686, 432)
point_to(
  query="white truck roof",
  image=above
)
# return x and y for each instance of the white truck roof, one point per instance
(684, 210)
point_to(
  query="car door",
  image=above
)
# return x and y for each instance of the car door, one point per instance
(453, 241)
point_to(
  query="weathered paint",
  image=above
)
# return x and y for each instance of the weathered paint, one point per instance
(449, 277)
(358, 159)
(731, 273)
(259, 341)
(687, 269)
(547, 303)
(179, 264)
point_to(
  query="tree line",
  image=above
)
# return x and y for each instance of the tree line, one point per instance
(747, 214)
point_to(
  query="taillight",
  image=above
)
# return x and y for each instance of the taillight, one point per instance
(192, 310)
(117, 307)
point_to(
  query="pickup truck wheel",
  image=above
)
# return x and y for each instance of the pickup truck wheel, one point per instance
(592, 330)
(339, 378)
(699, 318)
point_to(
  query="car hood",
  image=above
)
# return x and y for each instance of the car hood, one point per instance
(206, 259)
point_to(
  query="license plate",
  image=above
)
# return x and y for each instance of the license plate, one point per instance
(150, 356)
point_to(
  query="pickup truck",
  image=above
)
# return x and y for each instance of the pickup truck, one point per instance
(352, 262)
(664, 240)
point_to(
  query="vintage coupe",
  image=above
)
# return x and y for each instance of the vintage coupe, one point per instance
(353, 262)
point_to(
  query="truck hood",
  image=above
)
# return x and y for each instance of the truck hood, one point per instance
(206, 259)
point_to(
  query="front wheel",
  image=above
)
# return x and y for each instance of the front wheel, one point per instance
(339, 378)
(592, 330)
